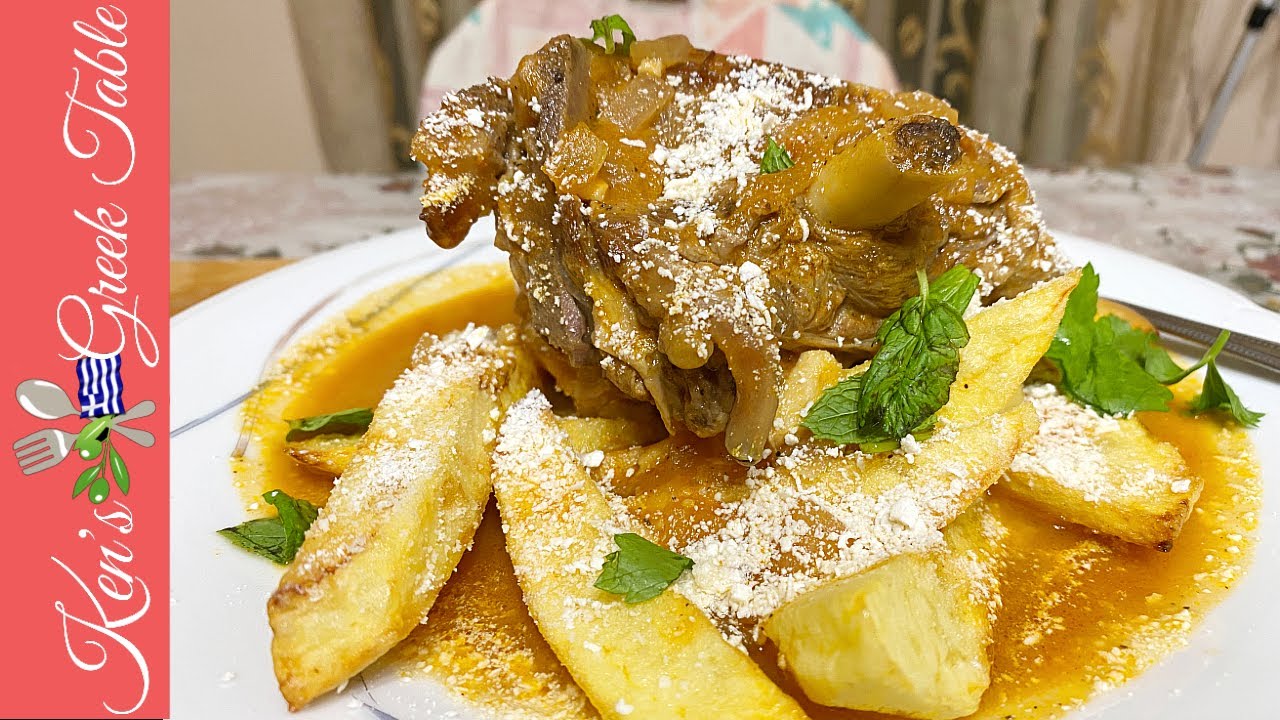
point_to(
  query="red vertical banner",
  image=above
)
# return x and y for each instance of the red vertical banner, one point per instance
(84, 366)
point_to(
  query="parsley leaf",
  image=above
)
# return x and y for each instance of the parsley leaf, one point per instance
(775, 158)
(1098, 360)
(1218, 395)
(639, 569)
(910, 378)
(1144, 347)
(277, 538)
(346, 422)
(1116, 368)
(604, 28)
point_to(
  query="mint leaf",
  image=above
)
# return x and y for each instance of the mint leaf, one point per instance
(604, 28)
(345, 422)
(955, 288)
(295, 515)
(1218, 395)
(834, 416)
(639, 569)
(910, 377)
(277, 538)
(775, 158)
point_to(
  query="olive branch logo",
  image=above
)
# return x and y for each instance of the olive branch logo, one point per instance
(93, 444)
(102, 412)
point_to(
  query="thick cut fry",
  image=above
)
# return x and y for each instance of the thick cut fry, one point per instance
(587, 434)
(1006, 340)
(330, 454)
(802, 384)
(400, 516)
(778, 534)
(1108, 474)
(661, 658)
(907, 638)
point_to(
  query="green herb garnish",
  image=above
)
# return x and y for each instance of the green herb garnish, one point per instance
(1109, 365)
(605, 27)
(277, 538)
(1218, 395)
(639, 569)
(346, 422)
(910, 377)
(1097, 359)
(775, 158)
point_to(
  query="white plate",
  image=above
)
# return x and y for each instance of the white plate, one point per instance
(221, 664)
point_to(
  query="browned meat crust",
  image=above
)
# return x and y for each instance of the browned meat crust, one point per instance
(652, 252)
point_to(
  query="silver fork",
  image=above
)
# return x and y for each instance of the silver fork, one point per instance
(42, 450)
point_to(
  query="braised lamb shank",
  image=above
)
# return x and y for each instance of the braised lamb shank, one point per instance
(658, 262)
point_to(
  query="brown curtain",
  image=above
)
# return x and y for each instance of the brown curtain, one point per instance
(1058, 81)
(1103, 81)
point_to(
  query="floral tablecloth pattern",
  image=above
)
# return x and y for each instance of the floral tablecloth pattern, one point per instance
(1223, 225)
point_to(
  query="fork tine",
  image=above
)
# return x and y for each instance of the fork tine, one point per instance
(33, 450)
(34, 458)
(33, 469)
(33, 437)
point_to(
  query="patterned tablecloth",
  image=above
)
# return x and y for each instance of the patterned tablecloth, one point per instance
(1222, 225)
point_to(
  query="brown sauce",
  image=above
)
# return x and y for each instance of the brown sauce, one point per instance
(1081, 612)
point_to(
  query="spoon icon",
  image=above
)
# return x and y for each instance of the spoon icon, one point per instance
(47, 401)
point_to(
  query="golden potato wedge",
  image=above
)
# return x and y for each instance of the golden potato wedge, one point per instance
(909, 637)
(1006, 340)
(351, 360)
(802, 384)
(1108, 474)
(330, 454)
(661, 658)
(399, 517)
(588, 434)
(812, 492)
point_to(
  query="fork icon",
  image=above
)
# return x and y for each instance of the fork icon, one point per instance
(44, 449)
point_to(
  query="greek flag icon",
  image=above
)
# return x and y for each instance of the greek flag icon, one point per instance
(101, 391)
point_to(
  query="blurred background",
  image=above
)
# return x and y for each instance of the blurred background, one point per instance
(291, 118)
(338, 85)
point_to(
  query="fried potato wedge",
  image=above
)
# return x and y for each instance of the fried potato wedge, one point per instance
(1006, 340)
(920, 492)
(399, 517)
(661, 658)
(587, 434)
(329, 454)
(909, 637)
(876, 506)
(802, 384)
(1108, 474)
(352, 359)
